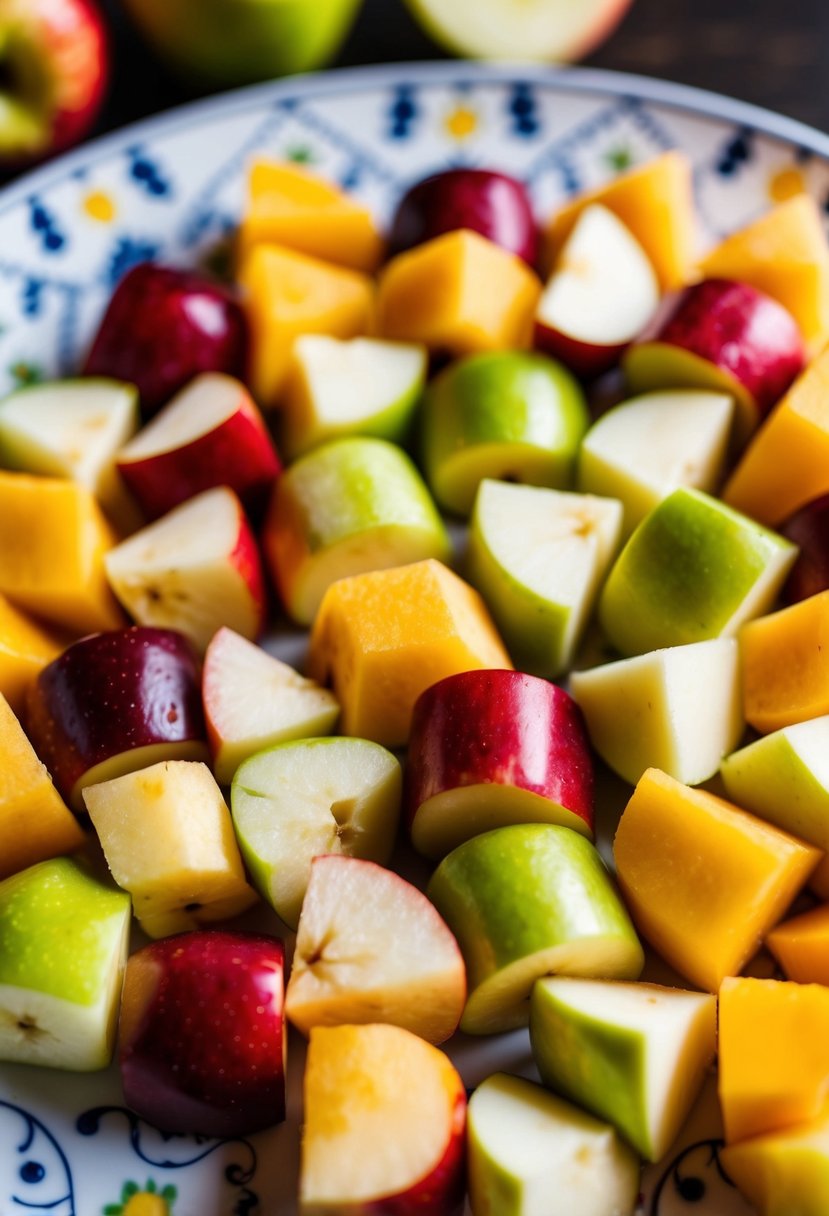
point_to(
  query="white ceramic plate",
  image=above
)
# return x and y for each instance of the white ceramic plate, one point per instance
(172, 188)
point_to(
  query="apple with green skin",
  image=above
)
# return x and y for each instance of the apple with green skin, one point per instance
(634, 1054)
(507, 415)
(167, 837)
(693, 569)
(493, 204)
(532, 1154)
(784, 778)
(253, 701)
(783, 1172)
(527, 901)
(350, 506)
(808, 528)
(727, 336)
(210, 434)
(491, 748)
(202, 1037)
(370, 947)
(64, 947)
(73, 429)
(297, 800)
(548, 30)
(360, 386)
(602, 294)
(679, 710)
(646, 447)
(115, 702)
(55, 60)
(539, 557)
(364, 1151)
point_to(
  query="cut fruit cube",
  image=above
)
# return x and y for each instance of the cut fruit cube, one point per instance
(785, 665)
(25, 649)
(801, 946)
(784, 1173)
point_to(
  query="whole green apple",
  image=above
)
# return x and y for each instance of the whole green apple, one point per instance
(233, 42)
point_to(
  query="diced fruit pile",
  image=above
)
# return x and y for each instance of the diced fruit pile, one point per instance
(638, 550)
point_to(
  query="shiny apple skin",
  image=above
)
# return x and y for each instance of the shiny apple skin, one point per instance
(808, 528)
(741, 331)
(503, 728)
(202, 1033)
(492, 204)
(441, 1192)
(164, 326)
(587, 360)
(110, 693)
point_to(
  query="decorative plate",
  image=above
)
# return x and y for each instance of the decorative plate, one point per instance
(172, 188)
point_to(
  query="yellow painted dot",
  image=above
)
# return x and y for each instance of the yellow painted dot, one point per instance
(144, 1204)
(99, 206)
(462, 122)
(786, 183)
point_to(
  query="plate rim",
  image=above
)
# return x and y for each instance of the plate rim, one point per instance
(575, 79)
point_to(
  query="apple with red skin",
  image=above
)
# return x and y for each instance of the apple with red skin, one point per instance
(493, 204)
(55, 67)
(808, 528)
(747, 343)
(491, 748)
(210, 434)
(164, 326)
(93, 713)
(202, 1033)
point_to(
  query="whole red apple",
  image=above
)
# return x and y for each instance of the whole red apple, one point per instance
(202, 1033)
(491, 748)
(493, 204)
(809, 529)
(53, 72)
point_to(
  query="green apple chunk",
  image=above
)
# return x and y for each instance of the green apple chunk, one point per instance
(644, 448)
(784, 778)
(507, 415)
(634, 1054)
(72, 429)
(300, 799)
(526, 901)
(63, 950)
(538, 557)
(693, 569)
(531, 1154)
(784, 1173)
(679, 710)
(348, 507)
(363, 386)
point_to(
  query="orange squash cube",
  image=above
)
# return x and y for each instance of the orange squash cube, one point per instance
(801, 946)
(458, 294)
(53, 538)
(703, 880)
(25, 649)
(35, 824)
(382, 638)
(773, 1055)
(785, 665)
(784, 1172)
(787, 462)
(656, 202)
(785, 254)
(291, 206)
(289, 294)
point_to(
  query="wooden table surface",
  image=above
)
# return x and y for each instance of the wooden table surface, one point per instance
(771, 52)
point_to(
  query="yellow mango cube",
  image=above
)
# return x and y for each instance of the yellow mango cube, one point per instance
(801, 946)
(289, 294)
(787, 462)
(35, 824)
(291, 206)
(382, 638)
(656, 202)
(53, 538)
(785, 254)
(458, 294)
(786, 1172)
(25, 649)
(703, 880)
(773, 1055)
(785, 665)
(819, 881)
